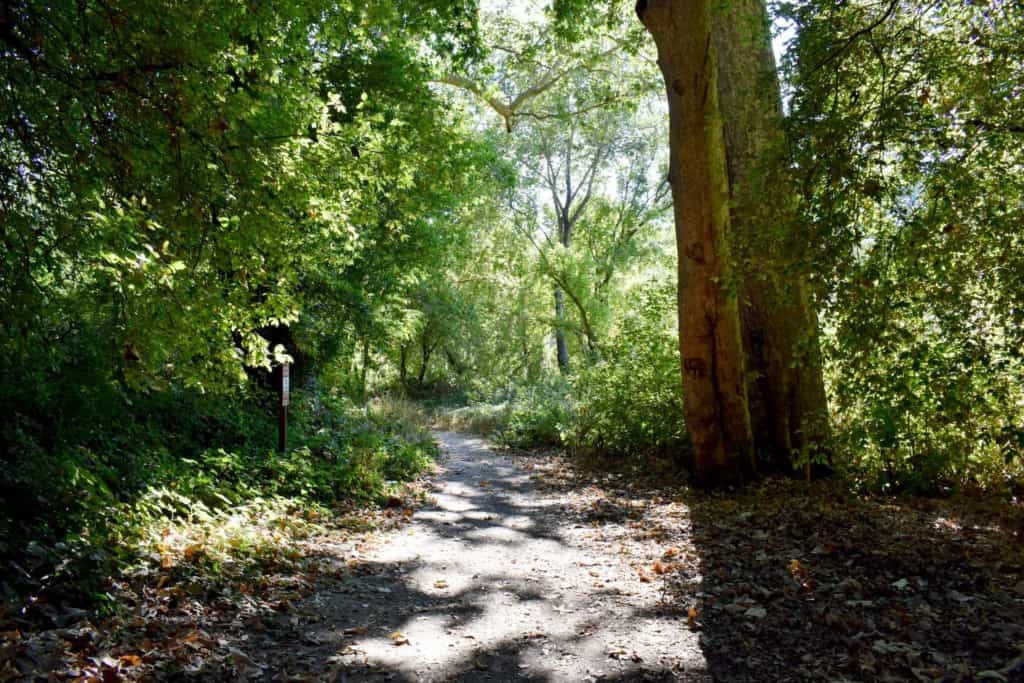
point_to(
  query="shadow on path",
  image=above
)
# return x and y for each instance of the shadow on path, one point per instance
(531, 568)
(493, 581)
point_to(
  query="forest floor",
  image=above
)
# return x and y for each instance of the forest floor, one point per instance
(528, 567)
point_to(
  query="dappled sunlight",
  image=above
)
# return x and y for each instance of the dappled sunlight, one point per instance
(496, 581)
(698, 329)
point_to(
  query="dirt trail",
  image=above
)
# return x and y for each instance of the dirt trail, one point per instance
(494, 582)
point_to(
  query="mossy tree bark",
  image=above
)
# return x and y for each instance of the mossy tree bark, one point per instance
(748, 333)
(779, 322)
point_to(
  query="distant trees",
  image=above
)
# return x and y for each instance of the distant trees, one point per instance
(585, 171)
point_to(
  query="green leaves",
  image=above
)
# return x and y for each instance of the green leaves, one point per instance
(902, 132)
(199, 166)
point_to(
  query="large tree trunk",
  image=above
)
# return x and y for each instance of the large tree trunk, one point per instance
(780, 327)
(726, 120)
(715, 396)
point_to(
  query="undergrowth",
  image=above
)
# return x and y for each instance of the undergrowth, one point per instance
(196, 481)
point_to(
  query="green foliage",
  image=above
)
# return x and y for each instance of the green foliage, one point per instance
(194, 192)
(191, 193)
(586, 216)
(906, 121)
(538, 416)
(630, 402)
(178, 180)
(627, 403)
(481, 418)
(83, 509)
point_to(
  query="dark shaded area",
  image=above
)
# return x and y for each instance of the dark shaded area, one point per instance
(807, 583)
(794, 582)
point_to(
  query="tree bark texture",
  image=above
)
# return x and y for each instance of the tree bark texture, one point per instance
(425, 352)
(726, 122)
(715, 396)
(780, 328)
(561, 345)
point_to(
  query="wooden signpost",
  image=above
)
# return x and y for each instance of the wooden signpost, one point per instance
(282, 422)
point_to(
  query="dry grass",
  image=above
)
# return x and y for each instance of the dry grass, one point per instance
(478, 419)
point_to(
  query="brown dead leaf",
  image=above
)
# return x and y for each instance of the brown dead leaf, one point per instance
(660, 567)
(644, 576)
(355, 631)
(670, 553)
(131, 660)
(399, 638)
(441, 584)
(194, 552)
(196, 640)
(691, 618)
(167, 562)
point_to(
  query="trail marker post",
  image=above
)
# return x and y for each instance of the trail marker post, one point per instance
(282, 415)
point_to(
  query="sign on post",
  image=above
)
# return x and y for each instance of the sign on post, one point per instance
(284, 384)
(282, 411)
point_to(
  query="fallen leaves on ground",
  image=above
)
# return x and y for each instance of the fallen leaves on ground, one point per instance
(811, 582)
(212, 601)
(782, 581)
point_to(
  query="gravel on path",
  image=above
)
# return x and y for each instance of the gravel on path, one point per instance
(494, 581)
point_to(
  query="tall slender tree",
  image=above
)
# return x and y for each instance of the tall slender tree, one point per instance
(568, 120)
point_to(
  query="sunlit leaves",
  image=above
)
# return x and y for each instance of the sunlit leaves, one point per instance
(181, 172)
(904, 129)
